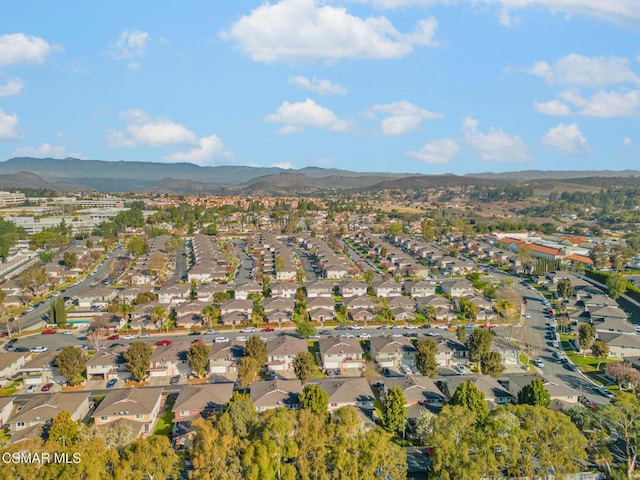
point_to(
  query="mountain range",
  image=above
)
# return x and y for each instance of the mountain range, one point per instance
(72, 174)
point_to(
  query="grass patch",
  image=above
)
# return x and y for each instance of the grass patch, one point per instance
(588, 364)
(165, 422)
(10, 389)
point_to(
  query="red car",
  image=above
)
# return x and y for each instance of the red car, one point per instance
(47, 387)
(197, 340)
(268, 329)
(49, 331)
(113, 337)
(163, 343)
(4, 334)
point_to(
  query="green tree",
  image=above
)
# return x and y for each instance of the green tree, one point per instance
(305, 329)
(534, 394)
(198, 358)
(479, 343)
(256, 348)
(300, 276)
(71, 362)
(468, 396)
(395, 228)
(426, 350)
(70, 259)
(138, 358)
(624, 417)
(149, 458)
(63, 429)
(600, 350)
(565, 288)
(468, 308)
(247, 371)
(215, 451)
(368, 277)
(394, 411)
(491, 364)
(137, 246)
(616, 285)
(461, 333)
(315, 399)
(58, 312)
(33, 278)
(241, 412)
(586, 334)
(304, 366)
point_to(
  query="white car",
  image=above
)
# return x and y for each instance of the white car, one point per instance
(410, 327)
(67, 332)
(364, 335)
(128, 337)
(39, 349)
(143, 335)
(346, 335)
(221, 340)
(356, 327)
(31, 388)
(248, 330)
(527, 315)
(241, 338)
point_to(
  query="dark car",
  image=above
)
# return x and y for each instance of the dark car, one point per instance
(112, 383)
(21, 349)
(175, 380)
(341, 327)
(195, 333)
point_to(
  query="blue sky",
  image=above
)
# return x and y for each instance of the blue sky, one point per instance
(427, 86)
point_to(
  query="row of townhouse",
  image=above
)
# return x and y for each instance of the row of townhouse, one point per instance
(210, 262)
(333, 265)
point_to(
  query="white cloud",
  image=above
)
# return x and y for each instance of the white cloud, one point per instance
(627, 141)
(605, 103)
(321, 87)
(496, 145)
(295, 117)
(20, 48)
(142, 129)
(587, 71)
(566, 139)
(13, 87)
(209, 150)
(284, 165)
(130, 47)
(436, 152)
(46, 150)
(403, 117)
(298, 30)
(554, 107)
(9, 126)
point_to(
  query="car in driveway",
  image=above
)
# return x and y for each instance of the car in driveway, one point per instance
(49, 331)
(47, 387)
(538, 363)
(163, 343)
(112, 383)
(268, 329)
(31, 388)
(39, 349)
(175, 380)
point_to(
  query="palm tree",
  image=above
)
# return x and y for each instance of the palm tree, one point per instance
(209, 312)
(505, 308)
(159, 316)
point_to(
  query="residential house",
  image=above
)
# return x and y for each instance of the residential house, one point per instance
(621, 345)
(224, 358)
(343, 392)
(458, 288)
(271, 305)
(321, 314)
(41, 369)
(509, 352)
(6, 409)
(236, 305)
(392, 352)
(282, 351)
(321, 302)
(270, 394)
(201, 401)
(515, 382)
(361, 315)
(353, 288)
(420, 288)
(138, 407)
(205, 293)
(387, 289)
(169, 360)
(417, 389)
(319, 289)
(356, 303)
(243, 290)
(108, 364)
(613, 325)
(283, 289)
(44, 407)
(407, 303)
(96, 298)
(174, 294)
(343, 353)
(451, 352)
(10, 363)
(494, 393)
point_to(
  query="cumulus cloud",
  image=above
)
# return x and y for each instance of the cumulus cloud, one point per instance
(554, 107)
(209, 150)
(586, 71)
(142, 129)
(284, 165)
(496, 145)
(321, 87)
(299, 30)
(20, 48)
(9, 126)
(566, 139)
(436, 152)
(605, 103)
(295, 117)
(130, 47)
(46, 150)
(13, 86)
(402, 117)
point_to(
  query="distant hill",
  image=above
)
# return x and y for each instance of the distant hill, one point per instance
(526, 175)
(417, 182)
(28, 180)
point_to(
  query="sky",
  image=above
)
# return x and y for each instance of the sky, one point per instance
(424, 86)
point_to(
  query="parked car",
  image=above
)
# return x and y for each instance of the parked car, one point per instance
(112, 383)
(241, 338)
(356, 327)
(163, 343)
(221, 340)
(113, 337)
(175, 380)
(364, 335)
(47, 387)
(196, 333)
(49, 331)
(211, 332)
(31, 388)
(143, 335)
(268, 329)
(39, 349)
(128, 337)
(196, 341)
(248, 330)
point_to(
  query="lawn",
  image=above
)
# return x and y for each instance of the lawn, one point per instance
(10, 389)
(165, 422)
(587, 364)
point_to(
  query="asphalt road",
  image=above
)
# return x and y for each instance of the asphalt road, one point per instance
(356, 257)
(244, 273)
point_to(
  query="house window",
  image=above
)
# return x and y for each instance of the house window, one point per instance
(184, 413)
(334, 404)
(139, 416)
(104, 419)
(21, 425)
